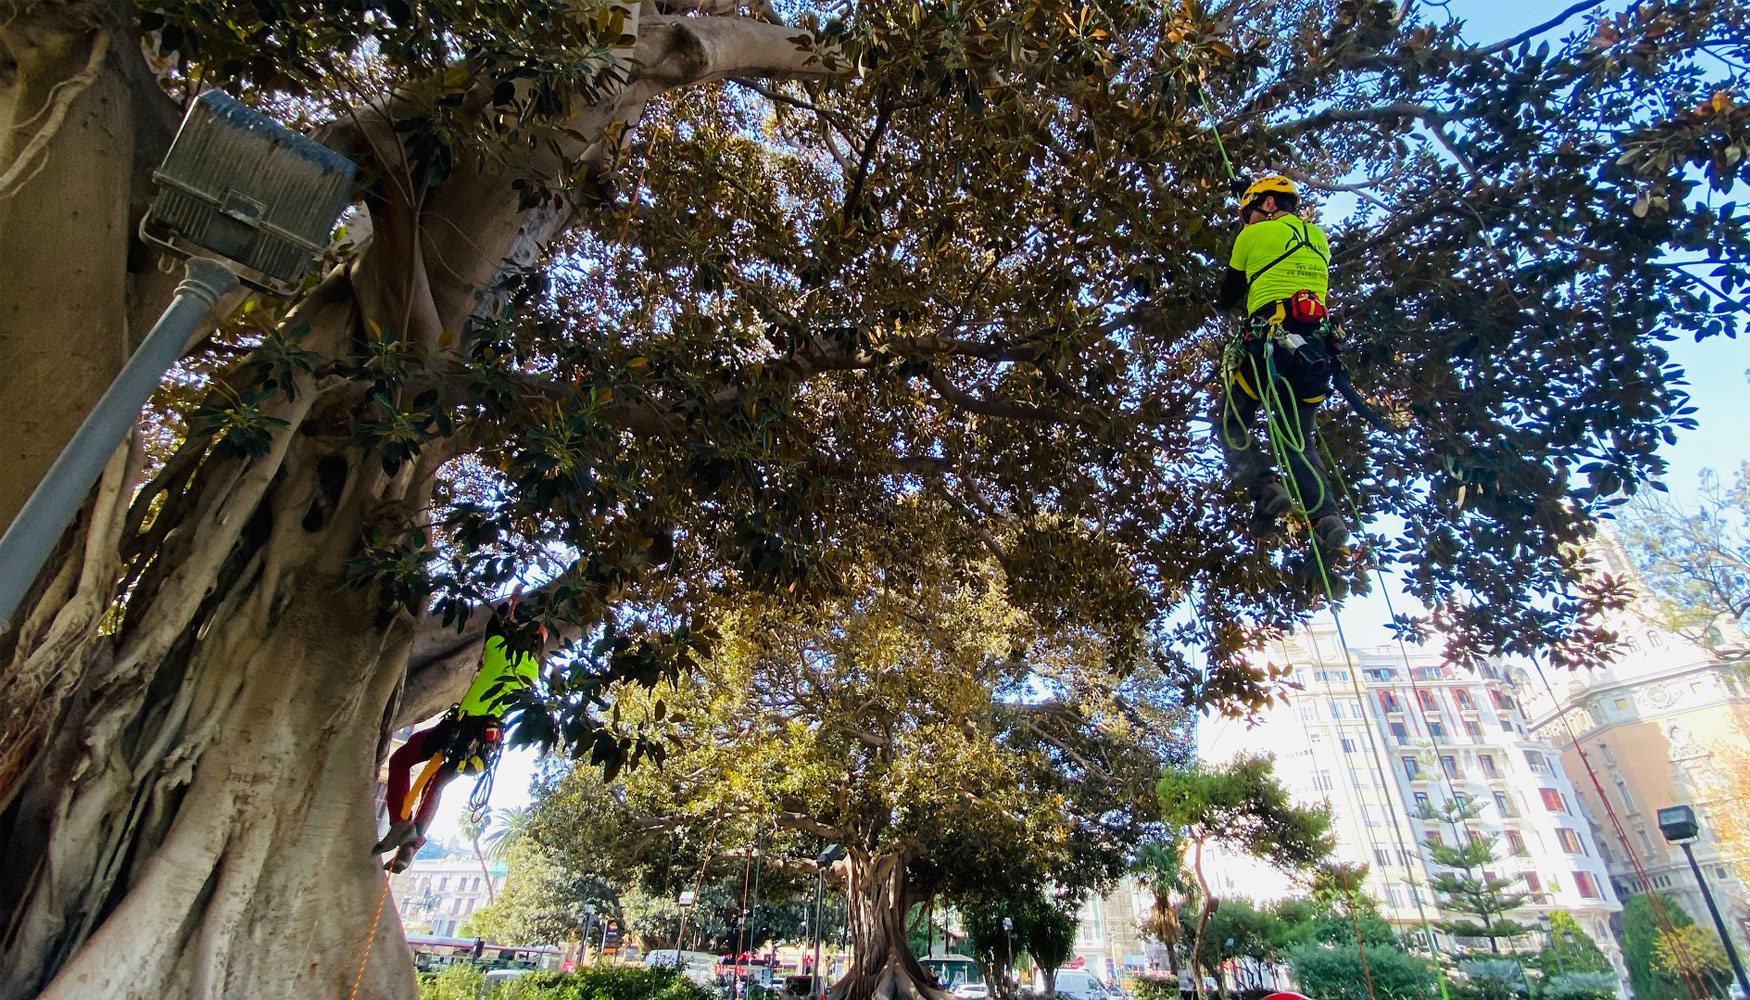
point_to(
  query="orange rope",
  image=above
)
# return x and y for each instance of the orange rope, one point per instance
(370, 938)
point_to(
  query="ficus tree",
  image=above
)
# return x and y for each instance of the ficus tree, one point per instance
(938, 739)
(645, 300)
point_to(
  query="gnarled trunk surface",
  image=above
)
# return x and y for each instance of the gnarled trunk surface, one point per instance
(186, 781)
(882, 967)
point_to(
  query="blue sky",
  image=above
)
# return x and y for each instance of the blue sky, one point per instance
(1718, 387)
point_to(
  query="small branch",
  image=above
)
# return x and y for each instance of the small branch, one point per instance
(993, 408)
(1532, 32)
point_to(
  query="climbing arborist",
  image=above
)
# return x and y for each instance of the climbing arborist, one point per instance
(1280, 270)
(465, 741)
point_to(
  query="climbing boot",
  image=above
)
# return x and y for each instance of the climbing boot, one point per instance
(404, 857)
(1268, 506)
(1330, 534)
(401, 832)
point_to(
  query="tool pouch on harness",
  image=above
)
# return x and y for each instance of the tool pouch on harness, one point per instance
(1305, 307)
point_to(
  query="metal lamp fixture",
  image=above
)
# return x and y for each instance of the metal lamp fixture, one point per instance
(235, 185)
(1678, 825)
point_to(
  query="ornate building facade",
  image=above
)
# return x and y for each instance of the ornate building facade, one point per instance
(1667, 723)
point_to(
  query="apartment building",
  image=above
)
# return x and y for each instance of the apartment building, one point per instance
(1658, 727)
(1389, 734)
(436, 895)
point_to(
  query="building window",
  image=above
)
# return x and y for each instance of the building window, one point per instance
(1553, 801)
(1427, 700)
(1464, 700)
(1422, 803)
(1412, 770)
(1322, 781)
(1348, 744)
(1380, 857)
(1390, 701)
(1336, 709)
(1570, 841)
(1621, 704)
(1535, 759)
(1487, 760)
(1586, 885)
(1436, 730)
(1515, 843)
(1604, 751)
(443, 883)
(1462, 799)
(1400, 734)
(1473, 837)
(1646, 842)
(1505, 804)
(1473, 728)
(1502, 702)
(1532, 883)
(1449, 765)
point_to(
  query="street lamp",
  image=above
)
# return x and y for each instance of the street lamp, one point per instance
(1678, 825)
(825, 860)
(235, 185)
(685, 901)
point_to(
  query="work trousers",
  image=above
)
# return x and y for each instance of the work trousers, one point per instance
(1300, 390)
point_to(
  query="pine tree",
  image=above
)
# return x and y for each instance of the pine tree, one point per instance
(1467, 886)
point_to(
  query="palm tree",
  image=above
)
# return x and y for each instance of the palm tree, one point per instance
(512, 826)
(1160, 868)
(471, 827)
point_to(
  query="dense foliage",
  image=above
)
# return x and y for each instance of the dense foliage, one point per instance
(1334, 972)
(667, 306)
(1670, 963)
(467, 982)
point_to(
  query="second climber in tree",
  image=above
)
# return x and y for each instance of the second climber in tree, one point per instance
(465, 741)
(1280, 269)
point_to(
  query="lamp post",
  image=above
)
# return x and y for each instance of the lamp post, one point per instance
(825, 860)
(1678, 825)
(236, 185)
(685, 902)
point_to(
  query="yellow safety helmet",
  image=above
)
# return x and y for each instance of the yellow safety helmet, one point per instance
(1267, 185)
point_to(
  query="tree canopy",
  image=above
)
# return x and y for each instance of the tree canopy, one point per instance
(651, 304)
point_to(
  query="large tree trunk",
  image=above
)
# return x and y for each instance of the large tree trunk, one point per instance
(877, 899)
(186, 779)
(81, 126)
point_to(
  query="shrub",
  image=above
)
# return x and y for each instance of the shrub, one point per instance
(1581, 986)
(1157, 989)
(1332, 973)
(458, 982)
(466, 982)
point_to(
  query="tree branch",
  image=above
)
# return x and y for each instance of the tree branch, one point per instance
(1532, 32)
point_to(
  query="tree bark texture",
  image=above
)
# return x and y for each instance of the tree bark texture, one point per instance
(877, 899)
(187, 780)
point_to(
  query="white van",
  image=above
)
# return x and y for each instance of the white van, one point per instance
(1077, 983)
(699, 966)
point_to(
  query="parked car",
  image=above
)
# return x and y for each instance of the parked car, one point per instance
(1077, 983)
(972, 991)
(699, 966)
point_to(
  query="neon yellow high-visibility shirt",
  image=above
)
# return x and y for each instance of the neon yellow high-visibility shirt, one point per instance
(499, 679)
(1304, 268)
